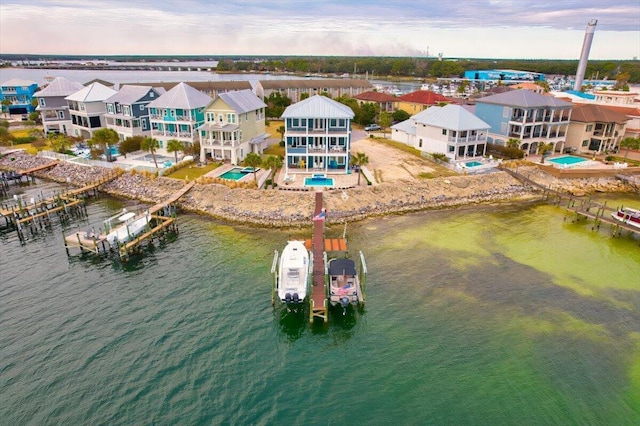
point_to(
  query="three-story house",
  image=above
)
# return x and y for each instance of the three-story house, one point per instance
(128, 112)
(87, 109)
(53, 106)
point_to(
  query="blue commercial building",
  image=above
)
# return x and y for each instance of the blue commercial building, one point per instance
(503, 75)
(20, 93)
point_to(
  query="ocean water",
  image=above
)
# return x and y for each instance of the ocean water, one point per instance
(484, 315)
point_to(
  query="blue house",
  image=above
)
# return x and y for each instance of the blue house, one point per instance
(529, 117)
(20, 93)
(318, 136)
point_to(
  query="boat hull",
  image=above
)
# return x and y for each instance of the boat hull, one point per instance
(293, 274)
(627, 216)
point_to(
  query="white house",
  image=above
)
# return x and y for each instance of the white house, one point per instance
(87, 109)
(449, 130)
(317, 135)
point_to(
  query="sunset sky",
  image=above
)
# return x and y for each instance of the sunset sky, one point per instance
(471, 28)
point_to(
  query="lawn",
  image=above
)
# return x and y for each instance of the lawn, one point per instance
(193, 172)
(439, 169)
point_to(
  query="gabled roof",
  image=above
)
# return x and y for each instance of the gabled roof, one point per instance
(523, 98)
(452, 117)
(59, 86)
(17, 82)
(181, 96)
(375, 97)
(318, 106)
(630, 111)
(94, 92)
(424, 97)
(129, 95)
(591, 113)
(406, 126)
(242, 101)
(314, 84)
(101, 81)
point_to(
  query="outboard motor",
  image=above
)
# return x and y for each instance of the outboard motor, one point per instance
(287, 297)
(296, 298)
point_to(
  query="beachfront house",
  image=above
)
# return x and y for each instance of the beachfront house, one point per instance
(451, 130)
(53, 106)
(294, 89)
(595, 128)
(419, 100)
(384, 101)
(17, 94)
(234, 126)
(87, 109)
(317, 136)
(177, 114)
(529, 117)
(128, 112)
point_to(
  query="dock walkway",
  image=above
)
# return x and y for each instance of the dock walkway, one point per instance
(319, 306)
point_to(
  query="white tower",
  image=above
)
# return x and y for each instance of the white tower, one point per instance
(584, 55)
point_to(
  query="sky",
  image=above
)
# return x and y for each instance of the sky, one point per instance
(522, 29)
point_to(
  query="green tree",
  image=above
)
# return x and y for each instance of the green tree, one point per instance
(5, 106)
(304, 96)
(253, 160)
(359, 159)
(130, 144)
(35, 117)
(174, 146)
(513, 143)
(400, 115)
(274, 163)
(384, 119)
(151, 144)
(543, 149)
(368, 112)
(629, 144)
(282, 131)
(59, 142)
(6, 138)
(101, 141)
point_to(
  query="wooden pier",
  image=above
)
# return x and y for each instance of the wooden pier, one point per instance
(161, 221)
(318, 300)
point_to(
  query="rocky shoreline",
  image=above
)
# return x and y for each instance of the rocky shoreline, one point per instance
(275, 208)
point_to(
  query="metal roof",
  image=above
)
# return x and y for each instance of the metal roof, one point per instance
(181, 96)
(95, 92)
(17, 82)
(242, 101)
(129, 95)
(60, 86)
(406, 126)
(452, 117)
(523, 98)
(318, 106)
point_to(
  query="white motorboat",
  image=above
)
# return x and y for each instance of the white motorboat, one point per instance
(344, 284)
(293, 274)
(627, 215)
(128, 226)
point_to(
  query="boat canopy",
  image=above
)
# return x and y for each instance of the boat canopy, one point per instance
(342, 266)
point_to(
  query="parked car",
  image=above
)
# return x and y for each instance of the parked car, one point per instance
(372, 127)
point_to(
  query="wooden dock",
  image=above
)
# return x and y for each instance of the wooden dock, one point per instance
(318, 301)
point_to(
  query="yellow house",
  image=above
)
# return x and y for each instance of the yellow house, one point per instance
(595, 128)
(420, 100)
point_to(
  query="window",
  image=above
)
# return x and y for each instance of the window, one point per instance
(585, 143)
(503, 128)
(211, 117)
(141, 107)
(126, 110)
(240, 135)
(589, 127)
(152, 94)
(451, 148)
(420, 144)
(231, 118)
(505, 112)
(444, 132)
(61, 115)
(172, 112)
(42, 102)
(110, 109)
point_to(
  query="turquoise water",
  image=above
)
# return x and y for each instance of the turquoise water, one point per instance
(489, 315)
(567, 159)
(234, 174)
(318, 181)
(473, 164)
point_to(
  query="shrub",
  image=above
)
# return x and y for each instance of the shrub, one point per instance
(440, 157)
(39, 143)
(609, 158)
(281, 143)
(504, 151)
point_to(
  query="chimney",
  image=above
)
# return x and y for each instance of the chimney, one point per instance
(584, 55)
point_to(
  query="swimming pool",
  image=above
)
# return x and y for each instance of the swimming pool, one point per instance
(318, 181)
(473, 164)
(236, 173)
(567, 160)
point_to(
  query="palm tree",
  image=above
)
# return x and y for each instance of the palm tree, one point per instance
(543, 148)
(174, 146)
(253, 160)
(629, 143)
(274, 163)
(281, 130)
(151, 144)
(359, 159)
(513, 143)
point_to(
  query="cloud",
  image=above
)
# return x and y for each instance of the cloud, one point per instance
(322, 27)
